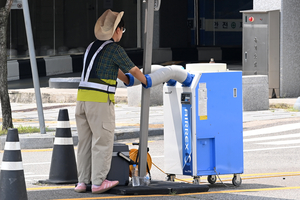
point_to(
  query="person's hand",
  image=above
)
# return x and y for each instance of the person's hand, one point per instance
(149, 82)
(131, 80)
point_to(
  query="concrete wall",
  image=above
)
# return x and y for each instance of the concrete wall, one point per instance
(266, 4)
(290, 46)
(289, 43)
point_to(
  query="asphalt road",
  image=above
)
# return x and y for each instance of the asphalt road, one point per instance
(271, 168)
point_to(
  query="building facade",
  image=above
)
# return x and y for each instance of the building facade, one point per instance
(190, 31)
(67, 27)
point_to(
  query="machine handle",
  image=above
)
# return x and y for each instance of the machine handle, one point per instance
(120, 154)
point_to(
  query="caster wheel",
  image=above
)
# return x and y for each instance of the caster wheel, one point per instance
(236, 181)
(212, 179)
(196, 180)
(171, 177)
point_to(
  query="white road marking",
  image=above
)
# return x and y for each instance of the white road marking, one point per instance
(296, 135)
(274, 129)
(281, 142)
(276, 148)
(40, 163)
(27, 176)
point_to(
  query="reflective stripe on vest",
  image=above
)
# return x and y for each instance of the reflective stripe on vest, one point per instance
(84, 84)
(98, 86)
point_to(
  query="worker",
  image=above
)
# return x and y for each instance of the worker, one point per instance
(104, 62)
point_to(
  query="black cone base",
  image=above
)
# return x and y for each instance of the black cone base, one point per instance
(159, 187)
(12, 185)
(63, 168)
(63, 165)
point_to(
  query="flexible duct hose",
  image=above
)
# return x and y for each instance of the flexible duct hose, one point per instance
(165, 74)
(169, 74)
(136, 81)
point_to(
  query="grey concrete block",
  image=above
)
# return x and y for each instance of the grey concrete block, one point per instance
(13, 70)
(134, 95)
(290, 46)
(255, 93)
(58, 65)
(70, 82)
(266, 4)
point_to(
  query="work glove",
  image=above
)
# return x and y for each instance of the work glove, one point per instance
(131, 80)
(149, 82)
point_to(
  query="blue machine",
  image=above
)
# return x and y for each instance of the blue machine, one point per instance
(203, 127)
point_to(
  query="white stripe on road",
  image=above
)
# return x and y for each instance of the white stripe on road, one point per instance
(296, 135)
(274, 129)
(11, 166)
(63, 141)
(267, 149)
(41, 163)
(281, 142)
(12, 146)
(26, 176)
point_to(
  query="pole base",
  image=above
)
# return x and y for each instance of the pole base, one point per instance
(159, 187)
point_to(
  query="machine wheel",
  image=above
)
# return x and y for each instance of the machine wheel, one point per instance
(196, 180)
(171, 177)
(237, 181)
(212, 179)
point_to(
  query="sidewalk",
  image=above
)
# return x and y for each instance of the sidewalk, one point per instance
(24, 113)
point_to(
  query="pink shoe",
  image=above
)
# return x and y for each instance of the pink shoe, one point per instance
(81, 187)
(106, 185)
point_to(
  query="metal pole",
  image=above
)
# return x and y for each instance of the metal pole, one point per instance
(196, 20)
(214, 38)
(35, 75)
(149, 15)
(10, 46)
(139, 24)
(54, 51)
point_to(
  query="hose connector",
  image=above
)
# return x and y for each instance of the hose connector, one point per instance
(188, 81)
(171, 82)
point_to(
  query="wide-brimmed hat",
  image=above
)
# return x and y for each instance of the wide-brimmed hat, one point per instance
(107, 24)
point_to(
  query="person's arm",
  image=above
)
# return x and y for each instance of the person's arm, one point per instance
(120, 59)
(123, 77)
(136, 72)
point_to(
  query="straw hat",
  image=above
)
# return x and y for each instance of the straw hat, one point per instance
(107, 24)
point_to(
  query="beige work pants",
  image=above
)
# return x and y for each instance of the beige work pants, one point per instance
(95, 124)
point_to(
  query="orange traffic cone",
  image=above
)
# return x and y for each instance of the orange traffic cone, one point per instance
(12, 180)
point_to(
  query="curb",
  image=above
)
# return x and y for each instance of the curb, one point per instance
(29, 97)
(42, 141)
